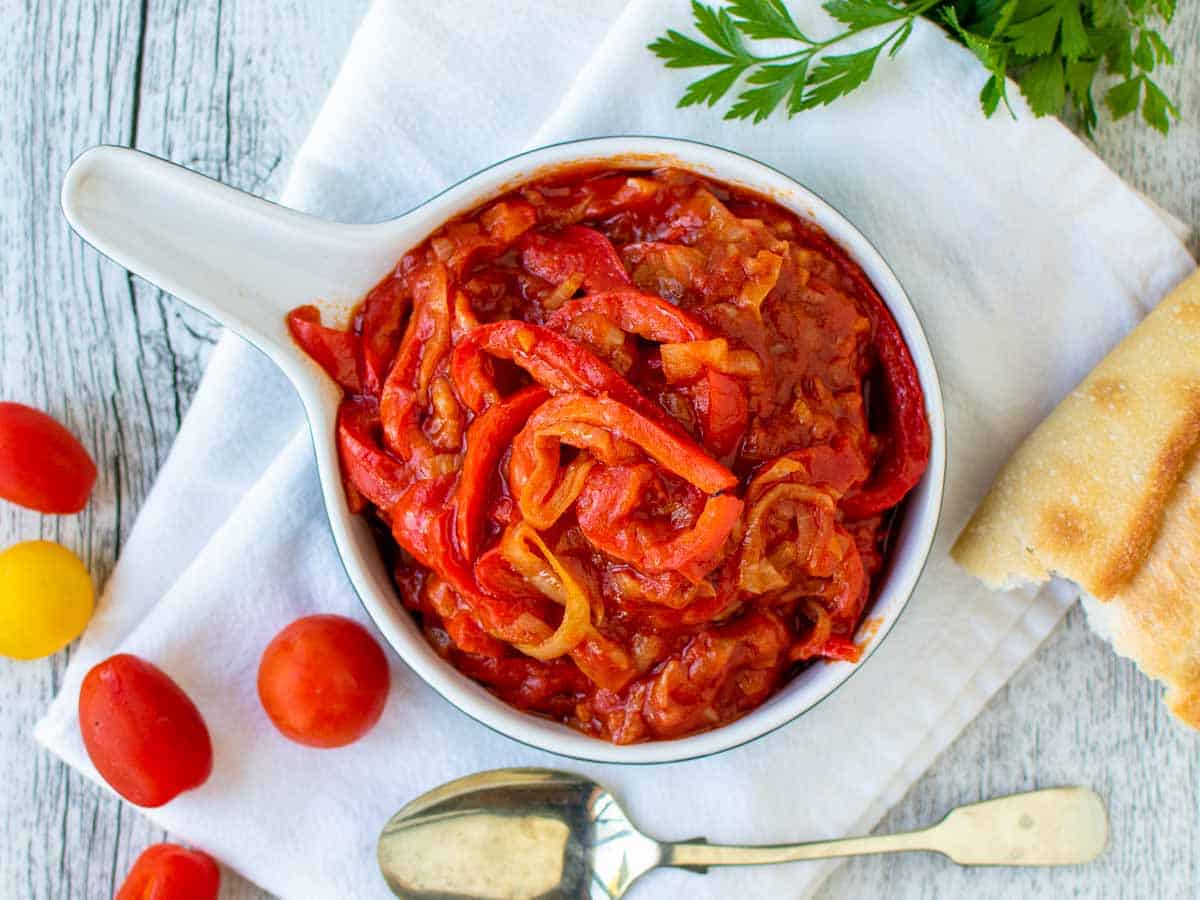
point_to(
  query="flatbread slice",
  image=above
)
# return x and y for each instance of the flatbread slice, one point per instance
(1106, 492)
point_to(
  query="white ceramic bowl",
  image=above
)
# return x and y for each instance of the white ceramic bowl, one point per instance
(247, 262)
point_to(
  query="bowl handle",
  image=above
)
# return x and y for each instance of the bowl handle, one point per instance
(240, 259)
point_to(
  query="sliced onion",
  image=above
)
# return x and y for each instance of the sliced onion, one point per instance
(762, 271)
(821, 629)
(542, 512)
(445, 424)
(556, 582)
(430, 291)
(757, 573)
(685, 360)
(507, 220)
(564, 292)
(438, 465)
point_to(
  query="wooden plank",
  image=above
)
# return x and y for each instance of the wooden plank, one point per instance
(1075, 714)
(57, 835)
(229, 89)
(1167, 170)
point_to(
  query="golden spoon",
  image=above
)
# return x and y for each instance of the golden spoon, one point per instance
(523, 833)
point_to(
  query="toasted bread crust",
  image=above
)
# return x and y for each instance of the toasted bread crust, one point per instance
(1106, 492)
(1155, 619)
(1083, 496)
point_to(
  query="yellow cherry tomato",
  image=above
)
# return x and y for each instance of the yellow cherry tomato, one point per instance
(46, 599)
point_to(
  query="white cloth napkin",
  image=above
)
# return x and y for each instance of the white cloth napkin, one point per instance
(1025, 257)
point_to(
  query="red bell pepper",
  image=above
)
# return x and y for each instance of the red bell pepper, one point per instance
(560, 365)
(720, 402)
(597, 198)
(555, 257)
(382, 315)
(339, 353)
(423, 524)
(425, 344)
(618, 193)
(488, 439)
(605, 427)
(610, 515)
(636, 312)
(602, 660)
(366, 466)
(907, 442)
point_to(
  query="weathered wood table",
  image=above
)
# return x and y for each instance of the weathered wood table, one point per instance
(230, 89)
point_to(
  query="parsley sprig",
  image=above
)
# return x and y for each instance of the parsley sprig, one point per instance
(1055, 50)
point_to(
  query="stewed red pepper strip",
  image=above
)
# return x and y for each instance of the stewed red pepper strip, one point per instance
(555, 257)
(618, 193)
(382, 315)
(907, 442)
(721, 404)
(366, 466)
(337, 352)
(600, 425)
(597, 198)
(558, 364)
(636, 312)
(605, 662)
(488, 439)
(609, 512)
(423, 524)
(425, 342)
(905, 455)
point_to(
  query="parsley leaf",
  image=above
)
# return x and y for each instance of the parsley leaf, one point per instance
(994, 57)
(991, 95)
(863, 14)
(1143, 53)
(1036, 36)
(1107, 12)
(1055, 50)
(1080, 76)
(1156, 108)
(765, 19)
(1122, 99)
(1044, 84)
(1074, 35)
(1162, 52)
(777, 81)
(682, 52)
(718, 27)
(711, 88)
(901, 37)
(836, 76)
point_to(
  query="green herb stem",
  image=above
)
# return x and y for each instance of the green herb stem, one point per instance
(1053, 49)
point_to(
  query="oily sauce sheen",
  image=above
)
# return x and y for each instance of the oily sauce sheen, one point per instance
(632, 440)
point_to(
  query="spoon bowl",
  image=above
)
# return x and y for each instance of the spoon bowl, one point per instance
(515, 833)
(247, 262)
(525, 833)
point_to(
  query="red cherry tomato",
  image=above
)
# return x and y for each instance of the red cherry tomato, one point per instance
(171, 872)
(42, 465)
(323, 681)
(142, 732)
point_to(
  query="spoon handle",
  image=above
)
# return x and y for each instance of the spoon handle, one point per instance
(1056, 826)
(699, 855)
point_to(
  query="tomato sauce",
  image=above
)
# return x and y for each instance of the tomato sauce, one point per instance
(632, 440)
